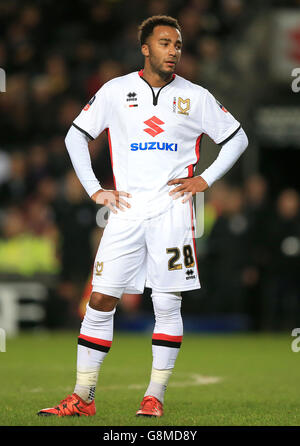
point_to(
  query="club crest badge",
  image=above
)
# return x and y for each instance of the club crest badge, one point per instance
(183, 106)
(99, 268)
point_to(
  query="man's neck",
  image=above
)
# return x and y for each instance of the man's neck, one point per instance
(156, 79)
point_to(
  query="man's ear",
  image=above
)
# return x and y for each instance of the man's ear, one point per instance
(145, 50)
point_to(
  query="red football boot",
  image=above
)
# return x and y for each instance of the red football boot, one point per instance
(73, 405)
(150, 407)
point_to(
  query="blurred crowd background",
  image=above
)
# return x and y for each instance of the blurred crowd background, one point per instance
(56, 55)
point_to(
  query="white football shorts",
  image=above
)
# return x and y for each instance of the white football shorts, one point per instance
(157, 252)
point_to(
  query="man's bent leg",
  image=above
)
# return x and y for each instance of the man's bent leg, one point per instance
(94, 342)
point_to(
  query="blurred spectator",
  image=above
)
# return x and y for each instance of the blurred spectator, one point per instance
(15, 189)
(257, 210)
(14, 116)
(59, 161)
(227, 256)
(188, 67)
(213, 207)
(58, 76)
(127, 51)
(104, 21)
(41, 108)
(282, 304)
(75, 217)
(106, 71)
(217, 196)
(83, 59)
(69, 109)
(40, 220)
(47, 191)
(38, 167)
(190, 25)
(21, 251)
(209, 51)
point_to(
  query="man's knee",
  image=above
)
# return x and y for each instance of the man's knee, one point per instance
(102, 302)
(166, 304)
(167, 311)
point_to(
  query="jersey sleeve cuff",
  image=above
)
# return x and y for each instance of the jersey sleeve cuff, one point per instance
(206, 178)
(83, 131)
(229, 134)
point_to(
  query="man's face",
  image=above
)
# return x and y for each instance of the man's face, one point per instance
(163, 49)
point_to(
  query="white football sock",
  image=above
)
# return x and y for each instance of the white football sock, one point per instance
(94, 342)
(166, 341)
(158, 383)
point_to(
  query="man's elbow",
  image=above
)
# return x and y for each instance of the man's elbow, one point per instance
(244, 140)
(67, 138)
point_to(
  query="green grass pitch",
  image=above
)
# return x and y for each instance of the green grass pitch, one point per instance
(219, 380)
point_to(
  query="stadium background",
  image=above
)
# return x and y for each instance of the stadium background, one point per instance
(56, 55)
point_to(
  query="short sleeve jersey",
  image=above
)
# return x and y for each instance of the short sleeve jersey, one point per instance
(154, 136)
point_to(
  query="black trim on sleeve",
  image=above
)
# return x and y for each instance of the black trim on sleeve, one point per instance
(229, 137)
(83, 131)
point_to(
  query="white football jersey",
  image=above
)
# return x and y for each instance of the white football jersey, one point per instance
(154, 136)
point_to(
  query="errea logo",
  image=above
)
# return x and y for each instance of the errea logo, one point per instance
(153, 128)
(131, 96)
